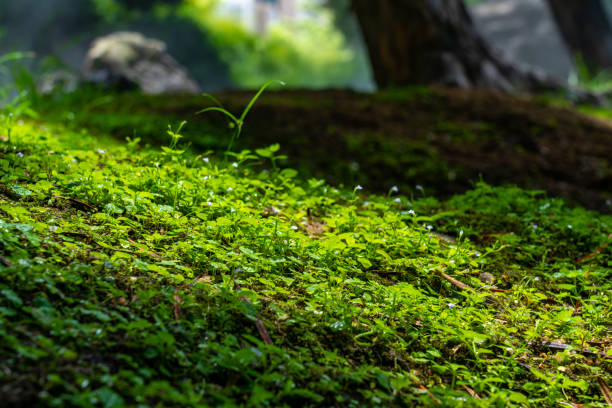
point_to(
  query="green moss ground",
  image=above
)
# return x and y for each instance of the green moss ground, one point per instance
(440, 139)
(134, 276)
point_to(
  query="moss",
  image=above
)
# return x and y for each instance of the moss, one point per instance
(134, 276)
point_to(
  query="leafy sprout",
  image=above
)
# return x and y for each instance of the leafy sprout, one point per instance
(237, 122)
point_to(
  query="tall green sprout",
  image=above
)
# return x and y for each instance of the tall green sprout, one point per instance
(237, 122)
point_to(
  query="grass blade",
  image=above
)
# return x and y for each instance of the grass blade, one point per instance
(217, 109)
(257, 95)
(215, 100)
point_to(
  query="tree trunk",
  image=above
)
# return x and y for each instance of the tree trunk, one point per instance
(435, 42)
(586, 30)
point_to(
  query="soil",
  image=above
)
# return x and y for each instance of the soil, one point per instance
(443, 140)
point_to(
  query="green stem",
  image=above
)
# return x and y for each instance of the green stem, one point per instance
(234, 137)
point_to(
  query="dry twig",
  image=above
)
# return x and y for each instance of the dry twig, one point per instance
(75, 201)
(605, 390)
(454, 281)
(263, 332)
(471, 392)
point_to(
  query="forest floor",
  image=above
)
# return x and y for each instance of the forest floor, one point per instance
(443, 140)
(153, 272)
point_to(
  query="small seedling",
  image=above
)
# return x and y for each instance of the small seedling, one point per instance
(175, 136)
(237, 122)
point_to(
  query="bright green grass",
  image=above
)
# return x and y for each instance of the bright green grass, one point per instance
(135, 277)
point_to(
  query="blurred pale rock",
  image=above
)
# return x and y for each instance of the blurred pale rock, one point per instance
(130, 60)
(61, 79)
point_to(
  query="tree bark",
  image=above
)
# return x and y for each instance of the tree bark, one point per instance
(586, 30)
(435, 42)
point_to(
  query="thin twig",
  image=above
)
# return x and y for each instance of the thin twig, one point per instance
(79, 202)
(4, 261)
(153, 254)
(605, 390)
(263, 332)
(177, 301)
(421, 386)
(559, 347)
(471, 392)
(594, 253)
(454, 281)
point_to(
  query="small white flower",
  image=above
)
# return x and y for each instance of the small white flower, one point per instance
(535, 227)
(398, 200)
(294, 227)
(358, 187)
(429, 227)
(19, 154)
(569, 226)
(460, 233)
(537, 278)
(11, 115)
(411, 212)
(452, 261)
(419, 187)
(366, 203)
(235, 165)
(477, 253)
(230, 189)
(209, 203)
(206, 159)
(275, 210)
(394, 189)
(101, 151)
(451, 305)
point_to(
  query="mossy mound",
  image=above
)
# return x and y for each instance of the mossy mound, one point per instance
(135, 276)
(443, 140)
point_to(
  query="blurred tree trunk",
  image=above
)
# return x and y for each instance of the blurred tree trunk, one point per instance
(435, 42)
(586, 30)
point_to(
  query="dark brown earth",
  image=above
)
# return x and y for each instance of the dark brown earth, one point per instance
(443, 140)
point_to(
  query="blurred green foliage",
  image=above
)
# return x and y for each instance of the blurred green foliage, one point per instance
(219, 50)
(597, 81)
(17, 87)
(308, 53)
